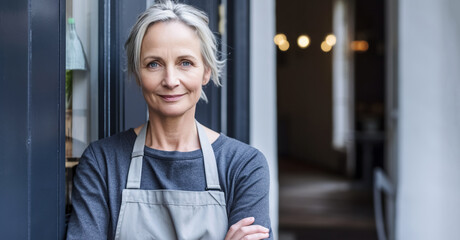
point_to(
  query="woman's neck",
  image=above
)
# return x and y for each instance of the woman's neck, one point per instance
(172, 134)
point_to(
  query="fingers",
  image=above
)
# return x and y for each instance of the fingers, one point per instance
(251, 232)
(255, 236)
(244, 230)
(235, 227)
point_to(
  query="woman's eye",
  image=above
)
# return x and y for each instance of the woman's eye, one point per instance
(153, 65)
(186, 63)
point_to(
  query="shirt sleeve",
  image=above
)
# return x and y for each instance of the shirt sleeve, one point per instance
(251, 192)
(90, 215)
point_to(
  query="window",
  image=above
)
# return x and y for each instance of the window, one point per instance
(81, 87)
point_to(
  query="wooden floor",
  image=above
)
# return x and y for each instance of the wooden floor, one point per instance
(316, 204)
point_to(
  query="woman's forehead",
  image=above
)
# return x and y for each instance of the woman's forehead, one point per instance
(171, 31)
(170, 34)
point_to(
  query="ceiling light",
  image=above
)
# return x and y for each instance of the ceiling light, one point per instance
(303, 41)
(279, 38)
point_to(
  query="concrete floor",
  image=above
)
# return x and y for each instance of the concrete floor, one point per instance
(315, 204)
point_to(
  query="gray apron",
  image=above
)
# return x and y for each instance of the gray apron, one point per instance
(172, 214)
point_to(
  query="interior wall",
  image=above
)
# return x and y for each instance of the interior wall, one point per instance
(428, 195)
(304, 86)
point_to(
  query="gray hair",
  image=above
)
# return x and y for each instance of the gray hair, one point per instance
(167, 10)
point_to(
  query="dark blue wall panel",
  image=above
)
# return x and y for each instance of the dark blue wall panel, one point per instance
(14, 144)
(121, 104)
(46, 118)
(134, 108)
(31, 120)
(238, 68)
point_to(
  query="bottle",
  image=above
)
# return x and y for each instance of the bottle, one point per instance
(75, 55)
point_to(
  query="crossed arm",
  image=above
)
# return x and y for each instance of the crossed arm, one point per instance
(248, 211)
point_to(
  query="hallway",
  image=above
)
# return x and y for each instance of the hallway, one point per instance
(315, 204)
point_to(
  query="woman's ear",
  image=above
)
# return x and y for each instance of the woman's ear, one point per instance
(207, 75)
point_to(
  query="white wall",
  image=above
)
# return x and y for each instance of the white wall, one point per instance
(263, 133)
(428, 196)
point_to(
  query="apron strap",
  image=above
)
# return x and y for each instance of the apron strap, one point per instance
(210, 165)
(209, 159)
(137, 156)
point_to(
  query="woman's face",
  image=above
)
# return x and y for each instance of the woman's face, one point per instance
(172, 70)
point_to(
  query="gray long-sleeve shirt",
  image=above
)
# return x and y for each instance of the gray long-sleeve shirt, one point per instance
(103, 169)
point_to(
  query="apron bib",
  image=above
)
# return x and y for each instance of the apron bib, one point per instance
(172, 214)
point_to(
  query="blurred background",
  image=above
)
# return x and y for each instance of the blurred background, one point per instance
(364, 90)
(354, 103)
(332, 107)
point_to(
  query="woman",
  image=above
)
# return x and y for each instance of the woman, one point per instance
(171, 178)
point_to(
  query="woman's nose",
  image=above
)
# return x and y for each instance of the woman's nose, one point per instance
(171, 78)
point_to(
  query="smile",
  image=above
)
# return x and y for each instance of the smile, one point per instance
(172, 98)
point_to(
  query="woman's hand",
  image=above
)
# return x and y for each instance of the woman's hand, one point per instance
(244, 230)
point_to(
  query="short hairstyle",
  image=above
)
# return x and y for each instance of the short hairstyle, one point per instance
(167, 10)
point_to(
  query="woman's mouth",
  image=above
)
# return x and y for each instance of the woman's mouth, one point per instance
(172, 98)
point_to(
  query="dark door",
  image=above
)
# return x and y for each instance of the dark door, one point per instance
(32, 119)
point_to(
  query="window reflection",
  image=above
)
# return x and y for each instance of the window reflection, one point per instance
(80, 83)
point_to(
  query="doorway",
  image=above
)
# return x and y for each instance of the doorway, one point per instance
(331, 116)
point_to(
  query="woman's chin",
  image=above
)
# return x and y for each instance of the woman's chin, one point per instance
(171, 112)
